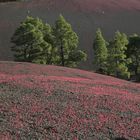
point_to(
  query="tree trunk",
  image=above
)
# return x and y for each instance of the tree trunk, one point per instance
(25, 54)
(136, 71)
(62, 55)
(50, 57)
(116, 70)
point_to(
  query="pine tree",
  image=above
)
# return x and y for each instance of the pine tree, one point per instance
(29, 41)
(100, 52)
(117, 61)
(66, 41)
(133, 52)
(48, 49)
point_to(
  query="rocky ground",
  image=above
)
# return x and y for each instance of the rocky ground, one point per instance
(58, 103)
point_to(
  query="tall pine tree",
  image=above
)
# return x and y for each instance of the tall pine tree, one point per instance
(133, 52)
(29, 41)
(100, 52)
(66, 41)
(48, 50)
(117, 61)
(37, 42)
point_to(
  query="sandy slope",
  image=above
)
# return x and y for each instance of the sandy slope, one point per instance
(84, 15)
(53, 103)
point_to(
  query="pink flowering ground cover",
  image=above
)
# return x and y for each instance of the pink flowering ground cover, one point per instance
(39, 102)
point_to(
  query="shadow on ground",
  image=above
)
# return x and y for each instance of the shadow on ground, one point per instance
(121, 138)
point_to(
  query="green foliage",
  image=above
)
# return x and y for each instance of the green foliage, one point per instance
(133, 52)
(75, 57)
(100, 51)
(48, 49)
(28, 40)
(66, 41)
(117, 61)
(120, 57)
(38, 42)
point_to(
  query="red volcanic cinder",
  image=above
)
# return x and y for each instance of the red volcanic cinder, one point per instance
(53, 103)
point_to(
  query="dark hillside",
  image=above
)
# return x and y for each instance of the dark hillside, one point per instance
(85, 16)
(8, 0)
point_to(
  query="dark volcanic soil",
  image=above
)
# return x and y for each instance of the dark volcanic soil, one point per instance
(57, 103)
(85, 16)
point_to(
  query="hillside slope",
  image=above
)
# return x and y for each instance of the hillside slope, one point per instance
(53, 103)
(85, 16)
